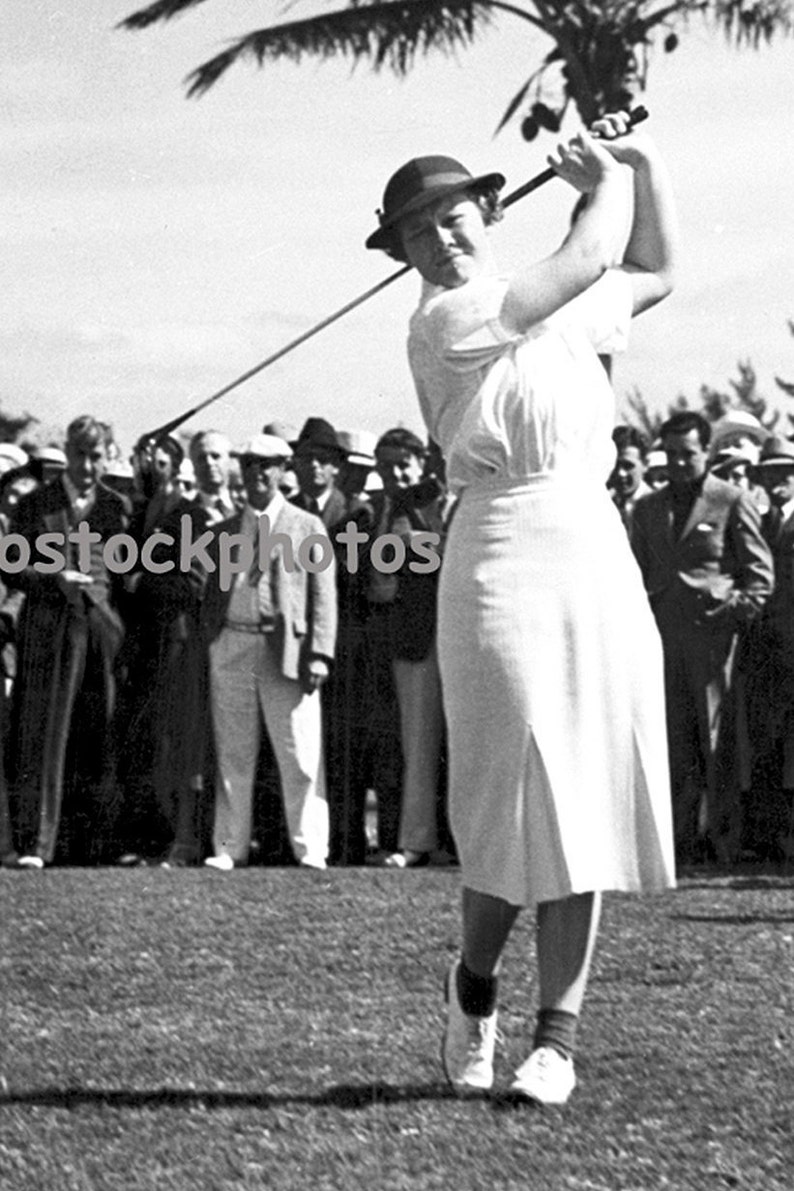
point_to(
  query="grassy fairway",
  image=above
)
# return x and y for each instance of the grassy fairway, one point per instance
(279, 1028)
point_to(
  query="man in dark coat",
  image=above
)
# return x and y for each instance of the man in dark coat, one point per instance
(707, 571)
(317, 459)
(69, 635)
(769, 825)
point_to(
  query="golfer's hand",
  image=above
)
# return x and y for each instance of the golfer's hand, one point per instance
(583, 162)
(615, 134)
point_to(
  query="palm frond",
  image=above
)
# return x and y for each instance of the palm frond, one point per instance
(161, 10)
(515, 103)
(391, 33)
(749, 22)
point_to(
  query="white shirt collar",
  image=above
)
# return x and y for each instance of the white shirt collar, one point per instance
(272, 509)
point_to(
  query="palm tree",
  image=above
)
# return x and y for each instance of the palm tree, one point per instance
(598, 58)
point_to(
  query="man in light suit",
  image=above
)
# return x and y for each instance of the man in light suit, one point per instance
(708, 572)
(272, 636)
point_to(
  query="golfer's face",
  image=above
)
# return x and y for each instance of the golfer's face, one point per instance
(447, 241)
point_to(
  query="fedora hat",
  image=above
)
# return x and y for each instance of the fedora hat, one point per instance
(317, 432)
(419, 182)
(729, 457)
(739, 423)
(777, 452)
(359, 446)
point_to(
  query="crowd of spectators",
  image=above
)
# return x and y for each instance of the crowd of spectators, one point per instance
(712, 527)
(286, 712)
(292, 713)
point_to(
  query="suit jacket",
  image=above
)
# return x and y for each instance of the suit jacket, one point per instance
(48, 510)
(334, 512)
(778, 615)
(411, 626)
(53, 632)
(304, 601)
(718, 573)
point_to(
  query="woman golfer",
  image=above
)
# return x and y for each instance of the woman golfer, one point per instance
(550, 660)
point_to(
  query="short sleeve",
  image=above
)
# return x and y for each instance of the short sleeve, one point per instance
(462, 326)
(602, 312)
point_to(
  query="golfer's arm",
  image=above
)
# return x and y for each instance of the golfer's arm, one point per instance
(592, 246)
(651, 250)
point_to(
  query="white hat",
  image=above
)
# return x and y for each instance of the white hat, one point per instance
(728, 456)
(264, 446)
(9, 451)
(358, 445)
(50, 455)
(120, 469)
(740, 424)
(280, 429)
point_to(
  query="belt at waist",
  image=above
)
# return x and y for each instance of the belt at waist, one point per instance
(267, 625)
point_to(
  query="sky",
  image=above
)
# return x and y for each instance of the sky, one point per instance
(155, 248)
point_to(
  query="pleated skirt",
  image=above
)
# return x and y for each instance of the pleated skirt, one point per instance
(552, 674)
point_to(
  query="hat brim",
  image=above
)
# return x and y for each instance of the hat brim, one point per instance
(382, 237)
(776, 461)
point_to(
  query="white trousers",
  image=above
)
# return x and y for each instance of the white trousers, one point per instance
(418, 686)
(247, 688)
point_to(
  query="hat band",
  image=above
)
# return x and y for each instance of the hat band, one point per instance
(430, 184)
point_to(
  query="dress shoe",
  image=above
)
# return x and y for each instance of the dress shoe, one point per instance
(406, 859)
(34, 862)
(222, 863)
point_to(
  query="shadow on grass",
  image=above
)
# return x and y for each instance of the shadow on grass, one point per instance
(734, 919)
(350, 1096)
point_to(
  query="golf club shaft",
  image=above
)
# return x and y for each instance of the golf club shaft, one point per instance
(637, 115)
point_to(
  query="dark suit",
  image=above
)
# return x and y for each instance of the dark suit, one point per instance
(769, 674)
(65, 689)
(334, 511)
(703, 583)
(11, 603)
(163, 712)
(403, 633)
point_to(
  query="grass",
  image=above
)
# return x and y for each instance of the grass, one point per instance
(279, 1028)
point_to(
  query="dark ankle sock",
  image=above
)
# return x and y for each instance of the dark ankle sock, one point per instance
(557, 1028)
(477, 994)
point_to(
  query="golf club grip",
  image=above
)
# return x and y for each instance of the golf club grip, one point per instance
(636, 116)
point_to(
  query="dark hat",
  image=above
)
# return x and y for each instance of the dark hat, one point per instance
(419, 182)
(317, 432)
(777, 452)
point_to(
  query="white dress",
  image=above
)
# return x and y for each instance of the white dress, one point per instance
(550, 659)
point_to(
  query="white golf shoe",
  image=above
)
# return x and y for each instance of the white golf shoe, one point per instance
(546, 1077)
(468, 1044)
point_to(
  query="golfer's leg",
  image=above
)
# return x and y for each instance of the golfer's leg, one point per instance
(566, 935)
(487, 922)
